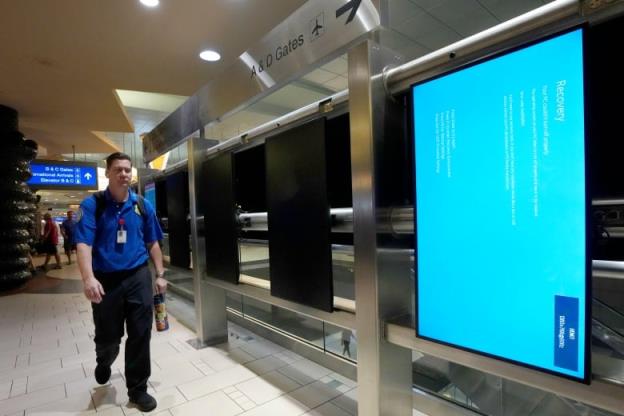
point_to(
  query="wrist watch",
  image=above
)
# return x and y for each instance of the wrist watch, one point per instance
(159, 275)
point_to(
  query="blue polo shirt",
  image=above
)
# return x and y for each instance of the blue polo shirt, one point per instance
(108, 255)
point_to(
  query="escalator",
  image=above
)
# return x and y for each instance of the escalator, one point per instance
(492, 395)
(607, 330)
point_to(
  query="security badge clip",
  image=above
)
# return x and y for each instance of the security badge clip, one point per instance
(122, 235)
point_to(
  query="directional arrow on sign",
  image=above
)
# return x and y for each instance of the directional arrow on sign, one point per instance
(88, 175)
(353, 5)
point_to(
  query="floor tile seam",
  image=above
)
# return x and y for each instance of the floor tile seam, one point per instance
(47, 403)
(281, 394)
(183, 382)
(20, 394)
(38, 348)
(293, 399)
(326, 401)
(197, 366)
(296, 381)
(64, 382)
(10, 389)
(220, 389)
(182, 393)
(332, 401)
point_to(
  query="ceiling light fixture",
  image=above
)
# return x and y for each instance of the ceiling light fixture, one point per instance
(209, 55)
(150, 3)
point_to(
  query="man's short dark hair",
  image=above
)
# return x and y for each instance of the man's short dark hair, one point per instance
(116, 156)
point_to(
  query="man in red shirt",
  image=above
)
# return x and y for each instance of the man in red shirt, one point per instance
(50, 241)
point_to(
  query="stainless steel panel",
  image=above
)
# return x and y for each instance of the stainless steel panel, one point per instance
(283, 54)
(601, 394)
(384, 370)
(608, 269)
(603, 202)
(210, 312)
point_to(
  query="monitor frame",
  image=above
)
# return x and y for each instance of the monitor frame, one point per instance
(586, 360)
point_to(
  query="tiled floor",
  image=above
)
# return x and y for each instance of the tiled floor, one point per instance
(47, 362)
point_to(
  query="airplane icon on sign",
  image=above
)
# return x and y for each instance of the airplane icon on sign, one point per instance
(317, 27)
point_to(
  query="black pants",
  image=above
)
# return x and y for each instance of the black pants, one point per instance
(128, 298)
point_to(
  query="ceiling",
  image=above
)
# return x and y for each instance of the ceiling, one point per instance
(61, 61)
(91, 76)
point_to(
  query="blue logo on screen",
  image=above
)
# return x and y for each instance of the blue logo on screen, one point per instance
(566, 332)
(62, 175)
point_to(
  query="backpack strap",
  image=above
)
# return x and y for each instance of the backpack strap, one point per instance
(100, 205)
(141, 205)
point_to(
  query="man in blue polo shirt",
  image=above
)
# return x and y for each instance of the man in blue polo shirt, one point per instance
(116, 233)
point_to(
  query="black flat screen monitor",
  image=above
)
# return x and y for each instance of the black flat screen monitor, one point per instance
(501, 228)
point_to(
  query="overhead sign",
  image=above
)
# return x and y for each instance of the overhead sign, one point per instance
(53, 174)
(319, 30)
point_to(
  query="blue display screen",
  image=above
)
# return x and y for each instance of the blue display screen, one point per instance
(501, 207)
(150, 193)
(50, 174)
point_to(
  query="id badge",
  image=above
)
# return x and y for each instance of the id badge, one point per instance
(122, 236)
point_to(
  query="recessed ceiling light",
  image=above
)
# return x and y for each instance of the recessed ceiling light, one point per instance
(209, 55)
(150, 3)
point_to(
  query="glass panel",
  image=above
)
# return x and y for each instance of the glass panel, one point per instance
(488, 394)
(254, 258)
(310, 330)
(254, 262)
(165, 246)
(341, 341)
(344, 279)
(234, 301)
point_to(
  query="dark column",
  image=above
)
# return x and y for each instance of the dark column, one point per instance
(17, 202)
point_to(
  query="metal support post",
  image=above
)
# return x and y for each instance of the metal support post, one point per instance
(384, 370)
(210, 312)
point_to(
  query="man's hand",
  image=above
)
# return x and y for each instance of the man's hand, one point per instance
(161, 285)
(93, 290)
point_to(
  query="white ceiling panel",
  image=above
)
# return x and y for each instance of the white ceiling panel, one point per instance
(400, 43)
(338, 84)
(465, 17)
(399, 11)
(293, 97)
(320, 76)
(338, 66)
(507, 9)
(428, 31)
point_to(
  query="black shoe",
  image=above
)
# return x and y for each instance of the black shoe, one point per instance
(143, 401)
(102, 374)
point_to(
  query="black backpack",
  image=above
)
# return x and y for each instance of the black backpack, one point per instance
(100, 205)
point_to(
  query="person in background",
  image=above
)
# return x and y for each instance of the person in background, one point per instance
(50, 241)
(346, 342)
(67, 229)
(116, 232)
